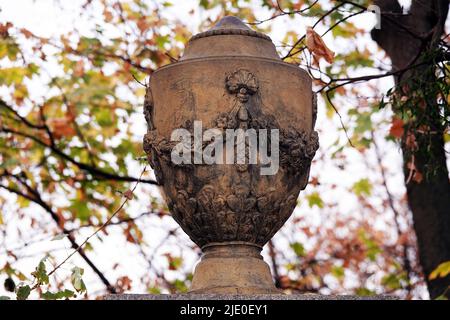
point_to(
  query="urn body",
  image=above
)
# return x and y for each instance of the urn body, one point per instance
(230, 79)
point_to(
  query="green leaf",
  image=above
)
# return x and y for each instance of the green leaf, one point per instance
(338, 272)
(58, 295)
(298, 249)
(104, 117)
(362, 187)
(392, 281)
(204, 4)
(372, 248)
(363, 122)
(154, 290)
(88, 247)
(40, 273)
(76, 279)
(80, 210)
(364, 292)
(180, 285)
(23, 292)
(314, 199)
(8, 47)
(4, 298)
(162, 40)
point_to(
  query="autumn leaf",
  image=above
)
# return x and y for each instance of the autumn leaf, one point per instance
(174, 262)
(27, 33)
(65, 294)
(142, 24)
(314, 181)
(314, 199)
(128, 194)
(78, 71)
(362, 187)
(40, 273)
(298, 249)
(285, 281)
(414, 174)
(61, 128)
(417, 177)
(397, 129)
(108, 15)
(317, 47)
(76, 279)
(441, 271)
(123, 284)
(4, 29)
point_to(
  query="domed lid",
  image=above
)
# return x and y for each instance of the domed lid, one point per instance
(230, 25)
(230, 37)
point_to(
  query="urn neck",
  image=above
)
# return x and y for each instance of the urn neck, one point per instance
(231, 249)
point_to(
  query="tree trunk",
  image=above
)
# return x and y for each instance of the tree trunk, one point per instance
(404, 38)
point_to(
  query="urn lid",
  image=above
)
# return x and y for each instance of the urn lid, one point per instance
(230, 37)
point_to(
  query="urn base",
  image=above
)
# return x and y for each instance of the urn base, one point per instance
(232, 268)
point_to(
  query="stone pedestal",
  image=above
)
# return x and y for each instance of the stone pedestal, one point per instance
(232, 268)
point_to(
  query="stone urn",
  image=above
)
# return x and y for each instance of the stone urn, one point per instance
(229, 79)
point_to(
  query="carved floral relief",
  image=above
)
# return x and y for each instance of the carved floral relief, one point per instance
(232, 208)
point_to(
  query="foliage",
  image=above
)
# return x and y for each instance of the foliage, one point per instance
(442, 270)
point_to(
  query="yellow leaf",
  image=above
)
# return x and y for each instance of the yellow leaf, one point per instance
(441, 271)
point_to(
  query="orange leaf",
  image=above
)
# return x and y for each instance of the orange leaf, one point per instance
(4, 29)
(317, 47)
(61, 128)
(78, 71)
(397, 128)
(108, 15)
(27, 33)
(417, 177)
(314, 181)
(142, 24)
(124, 283)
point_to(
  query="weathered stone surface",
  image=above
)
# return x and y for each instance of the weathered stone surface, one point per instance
(209, 296)
(231, 78)
(232, 269)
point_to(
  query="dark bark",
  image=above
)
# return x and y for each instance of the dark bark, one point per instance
(404, 40)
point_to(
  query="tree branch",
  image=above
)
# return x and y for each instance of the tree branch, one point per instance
(89, 168)
(71, 238)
